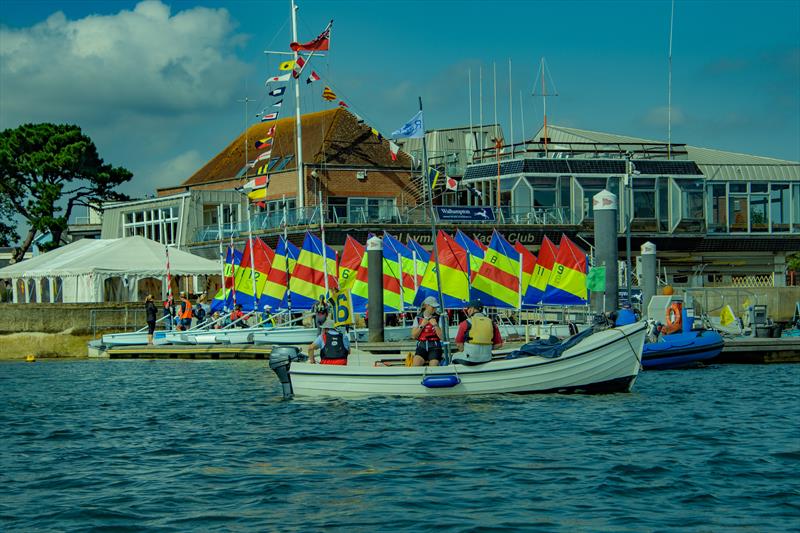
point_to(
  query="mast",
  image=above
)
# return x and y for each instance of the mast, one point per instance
(469, 83)
(445, 344)
(286, 261)
(324, 246)
(544, 108)
(222, 258)
(510, 109)
(301, 182)
(669, 86)
(480, 105)
(252, 258)
(496, 137)
(522, 116)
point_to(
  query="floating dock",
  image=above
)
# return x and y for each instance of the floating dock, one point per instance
(740, 350)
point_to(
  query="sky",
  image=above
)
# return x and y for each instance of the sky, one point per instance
(158, 85)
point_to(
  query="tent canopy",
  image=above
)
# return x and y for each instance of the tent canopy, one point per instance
(83, 268)
(129, 255)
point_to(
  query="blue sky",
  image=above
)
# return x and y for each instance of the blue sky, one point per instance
(155, 83)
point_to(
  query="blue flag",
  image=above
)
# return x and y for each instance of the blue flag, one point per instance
(277, 92)
(413, 129)
(433, 177)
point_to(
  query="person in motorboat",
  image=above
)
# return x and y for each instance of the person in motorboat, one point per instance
(150, 315)
(428, 333)
(320, 311)
(625, 315)
(477, 336)
(333, 346)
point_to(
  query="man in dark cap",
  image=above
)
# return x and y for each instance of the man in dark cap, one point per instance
(477, 336)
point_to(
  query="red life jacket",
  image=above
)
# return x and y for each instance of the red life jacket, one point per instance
(428, 333)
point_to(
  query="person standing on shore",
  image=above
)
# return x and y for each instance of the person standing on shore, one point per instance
(150, 317)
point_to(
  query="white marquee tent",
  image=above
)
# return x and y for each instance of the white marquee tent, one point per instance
(102, 270)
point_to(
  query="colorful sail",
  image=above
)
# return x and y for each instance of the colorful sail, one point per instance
(454, 272)
(274, 294)
(474, 251)
(528, 263)
(405, 259)
(567, 283)
(496, 284)
(421, 257)
(349, 262)
(253, 268)
(223, 300)
(307, 283)
(359, 292)
(541, 274)
(480, 244)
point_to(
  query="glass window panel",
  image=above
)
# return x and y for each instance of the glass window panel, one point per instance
(129, 218)
(691, 199)
(139, 216)
(717, 209)
(759, 187)
(663, 204)
(759, 216)
(644, 204)
(644, 183)
(738, 187)
(738, 210)
(544, 198)
(796, 207)
(564, 199)
(779, 206)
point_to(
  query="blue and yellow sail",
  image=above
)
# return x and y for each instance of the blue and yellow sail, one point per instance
(223, 300)
(278, 277)
(307, 283)
(567, 283)
(391, 276)
(399, 253)
(256, 268)
(497, 282)
(534, 292)
(454, 273)
(474, 251)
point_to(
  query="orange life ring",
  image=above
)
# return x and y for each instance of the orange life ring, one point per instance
(674, 319)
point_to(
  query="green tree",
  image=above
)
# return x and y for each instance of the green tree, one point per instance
(793, 262)
(46, 170)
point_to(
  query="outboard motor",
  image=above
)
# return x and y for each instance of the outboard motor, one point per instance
(280, 360)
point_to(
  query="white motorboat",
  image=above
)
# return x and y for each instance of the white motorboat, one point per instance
(605, 361)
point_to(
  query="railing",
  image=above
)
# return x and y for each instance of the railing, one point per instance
(420, 214)
(116, 320)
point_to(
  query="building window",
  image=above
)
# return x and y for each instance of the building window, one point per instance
(160, 224)
(591, 186)
(364, 210)
(737, 213)
(644, 198)
(717, 208)
(759, 216)
(796, 207)
(779, 206)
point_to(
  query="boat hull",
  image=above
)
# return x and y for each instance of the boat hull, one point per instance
(607, 361)
(682, 350)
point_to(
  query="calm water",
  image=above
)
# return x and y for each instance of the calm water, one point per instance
(182, 445)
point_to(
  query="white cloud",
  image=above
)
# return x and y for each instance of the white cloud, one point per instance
(659, 116)
(144, 61)
(177, 169)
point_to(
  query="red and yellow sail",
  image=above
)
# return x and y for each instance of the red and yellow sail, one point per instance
(567, 283)
(349, 262)
(496, 284)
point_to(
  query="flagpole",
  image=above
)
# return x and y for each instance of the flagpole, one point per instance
(445, 332)
(301, 182)
(522, 115)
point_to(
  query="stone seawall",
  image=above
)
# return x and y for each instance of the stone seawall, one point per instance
(43, 345)
(76, 318)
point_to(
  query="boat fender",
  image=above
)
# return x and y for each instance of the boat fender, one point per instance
(440, 382)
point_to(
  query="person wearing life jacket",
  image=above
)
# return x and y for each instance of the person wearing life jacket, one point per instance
(428, 333)
(477, 336)
(333, 346)
(186, 312)
(236, 314)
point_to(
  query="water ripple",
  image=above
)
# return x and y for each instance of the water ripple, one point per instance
(210, 446)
